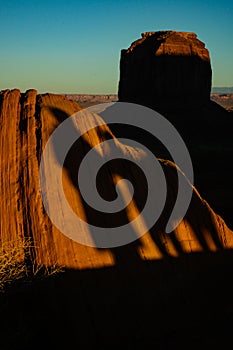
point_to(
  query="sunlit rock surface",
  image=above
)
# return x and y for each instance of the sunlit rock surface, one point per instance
(27, 121)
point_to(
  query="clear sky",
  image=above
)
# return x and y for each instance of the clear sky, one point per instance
(74, 46)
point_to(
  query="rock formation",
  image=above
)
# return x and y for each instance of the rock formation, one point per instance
(171, 72)
(27, 121)
(162, 290)
(165, 70)
(165, 290)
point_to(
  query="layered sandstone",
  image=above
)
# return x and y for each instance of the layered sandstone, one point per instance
(165, 70)
(27, 120)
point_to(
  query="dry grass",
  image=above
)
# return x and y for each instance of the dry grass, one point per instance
(13, 266)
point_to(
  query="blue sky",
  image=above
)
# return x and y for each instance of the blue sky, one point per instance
(74, 46)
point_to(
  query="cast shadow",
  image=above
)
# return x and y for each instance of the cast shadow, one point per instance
(198, 216)
(168, 303)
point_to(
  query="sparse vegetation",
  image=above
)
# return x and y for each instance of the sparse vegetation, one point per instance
(13, 265)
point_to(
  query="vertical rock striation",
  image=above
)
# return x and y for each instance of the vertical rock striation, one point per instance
(26, 122)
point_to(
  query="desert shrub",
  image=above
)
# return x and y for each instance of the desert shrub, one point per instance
(13, 265)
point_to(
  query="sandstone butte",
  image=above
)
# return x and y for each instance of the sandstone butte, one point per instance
(27, 121)
(171, 73)
(165, 69)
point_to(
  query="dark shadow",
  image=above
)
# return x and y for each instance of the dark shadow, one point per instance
(206, 132)
(173, 303)
(106, 185)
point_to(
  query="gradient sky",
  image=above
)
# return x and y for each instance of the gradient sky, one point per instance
(74, 46)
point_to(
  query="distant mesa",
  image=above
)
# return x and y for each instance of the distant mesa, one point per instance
(86, 100)
(165, 69)
(222, 90)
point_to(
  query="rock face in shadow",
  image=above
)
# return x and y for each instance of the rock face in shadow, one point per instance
(165, 70)
(170, 72)
(27, 121)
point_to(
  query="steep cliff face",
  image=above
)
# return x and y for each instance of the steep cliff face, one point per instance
(26, 122)
(165, 70)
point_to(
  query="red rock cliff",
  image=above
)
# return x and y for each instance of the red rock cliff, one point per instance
(27, 120)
